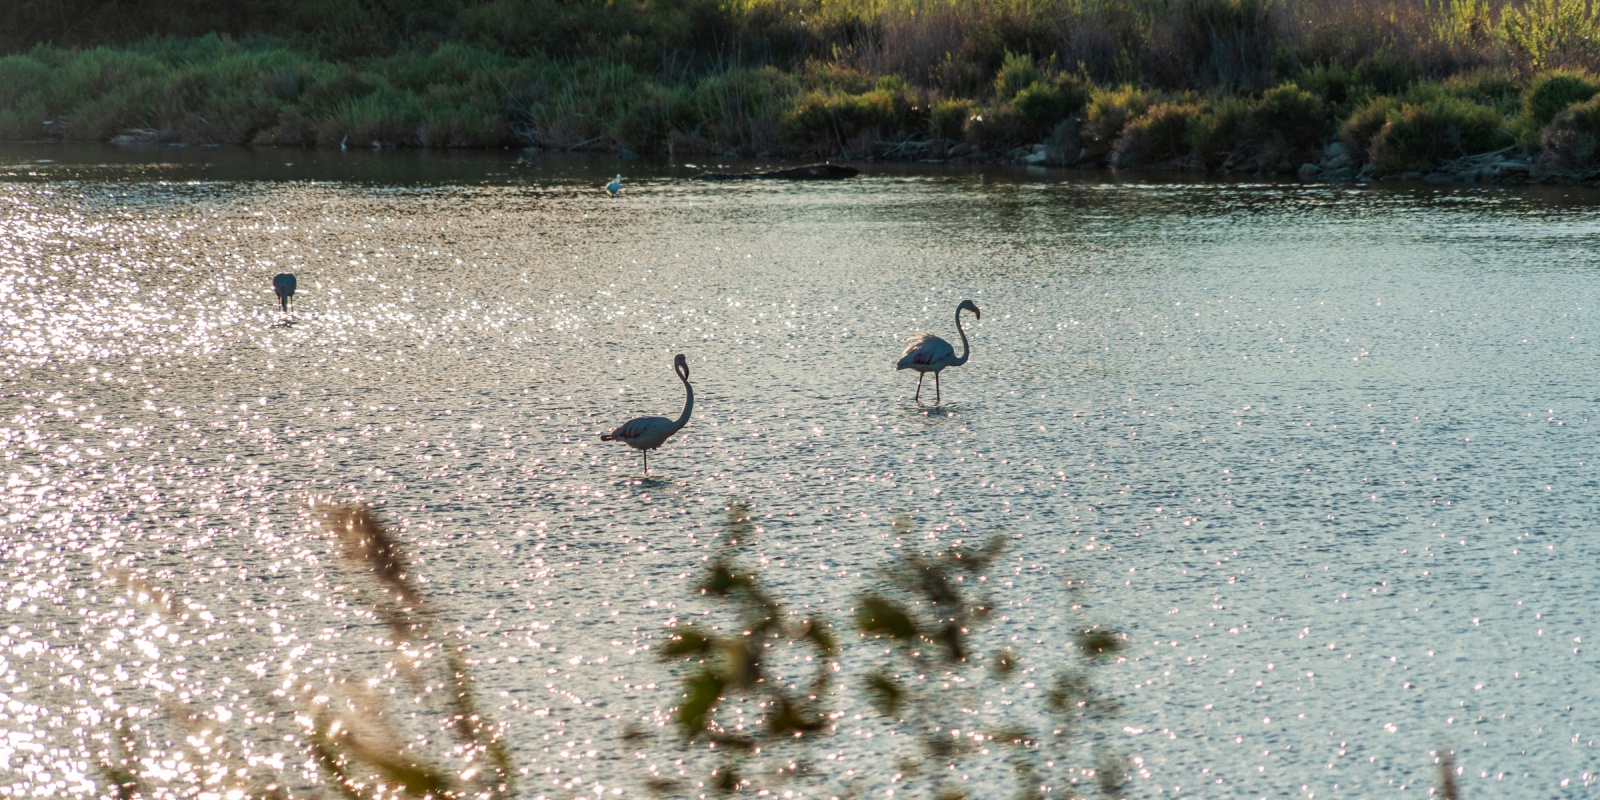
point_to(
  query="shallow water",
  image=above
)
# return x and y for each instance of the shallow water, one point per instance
(1324, 453)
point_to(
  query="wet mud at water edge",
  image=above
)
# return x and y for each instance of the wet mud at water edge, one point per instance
(1323, 453)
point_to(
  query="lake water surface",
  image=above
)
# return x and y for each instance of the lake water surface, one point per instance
(1324, 453)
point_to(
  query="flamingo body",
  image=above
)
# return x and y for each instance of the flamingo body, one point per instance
(283, 286)
(642, 433)
(927, 353)
(647, 433)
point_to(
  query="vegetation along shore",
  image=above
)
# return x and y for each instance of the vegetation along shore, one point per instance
(1462, 90)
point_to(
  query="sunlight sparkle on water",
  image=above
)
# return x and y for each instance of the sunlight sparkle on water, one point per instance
(1330, 475)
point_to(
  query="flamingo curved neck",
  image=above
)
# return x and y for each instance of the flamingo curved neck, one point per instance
(688, 405)
(966, 349)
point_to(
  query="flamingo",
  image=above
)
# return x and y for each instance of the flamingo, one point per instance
(615, 186)
(647, 433)
(927, 353)
(283, 285)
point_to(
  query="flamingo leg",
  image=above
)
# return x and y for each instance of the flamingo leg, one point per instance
(646, 454)
(920, 376)
(936, 388)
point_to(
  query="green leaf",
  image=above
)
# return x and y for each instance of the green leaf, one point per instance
(820, 636)
(1094, 643)
(416, 780)
(741, 663)
(701, 692)
(1069, 692)
(685, 641)
(877, 615)
(1005, 663)
(727, 781)
(722, 580)
(886, 693)
(953, 637)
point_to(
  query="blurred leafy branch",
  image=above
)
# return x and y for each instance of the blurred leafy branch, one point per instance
(932, 610)
(731, 673)
(360, 749)
(764, 687)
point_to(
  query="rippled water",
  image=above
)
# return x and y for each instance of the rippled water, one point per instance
(1323, 452)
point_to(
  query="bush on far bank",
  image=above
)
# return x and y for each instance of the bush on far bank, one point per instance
(265, 92)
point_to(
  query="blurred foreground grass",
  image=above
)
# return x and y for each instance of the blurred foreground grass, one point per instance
(760, 692)
(761, 689)
(361, 744)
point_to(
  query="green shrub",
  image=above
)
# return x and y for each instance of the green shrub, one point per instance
(736, 107)
(648, 126)
(1219, 131)
(957, 74)
(1424, 135)
(21, 76)
(1039, 108)
(1545, 33)
(293, 129)
(1358, 131)
(229, 115)
(836, 77)
(22, 121)
(1161, 133)
(1108, 113)
(1075, 90)
(1339, 89)
(948, 118)
(995, 128)
(1548, 95)
(1290, 121)
(1384, 73)
(1495, 88)
(387, 116)
(822, 116)
(1571, 141)
(1016, 74)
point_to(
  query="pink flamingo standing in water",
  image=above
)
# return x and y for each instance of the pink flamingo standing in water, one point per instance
(647, 433)
(928, 353)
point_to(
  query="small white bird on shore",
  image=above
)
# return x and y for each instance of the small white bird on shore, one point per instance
(647, 433)
(928, 353)
(615, 186)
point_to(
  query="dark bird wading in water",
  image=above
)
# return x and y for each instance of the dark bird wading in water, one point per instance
(928, 353)
(647, 433)
(283, 285)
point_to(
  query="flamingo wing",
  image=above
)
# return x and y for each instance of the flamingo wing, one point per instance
(643, 432)
(926, 350)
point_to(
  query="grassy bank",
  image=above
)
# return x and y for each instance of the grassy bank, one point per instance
(1220, 85)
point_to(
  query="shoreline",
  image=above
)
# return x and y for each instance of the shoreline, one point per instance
(1333, 166)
